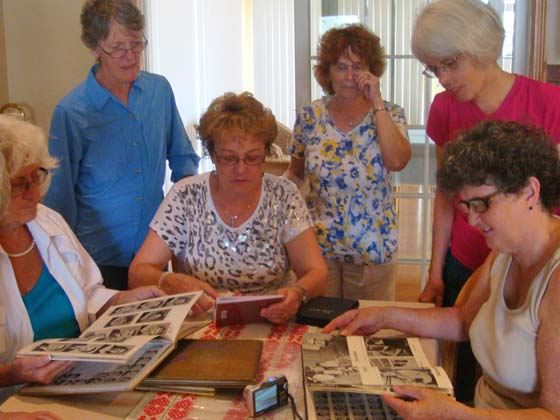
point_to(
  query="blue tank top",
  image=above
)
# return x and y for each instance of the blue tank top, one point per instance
(50, 310)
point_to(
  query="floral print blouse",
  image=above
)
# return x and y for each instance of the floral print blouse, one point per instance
(350, 196)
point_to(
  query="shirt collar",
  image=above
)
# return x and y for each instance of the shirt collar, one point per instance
(99, 95)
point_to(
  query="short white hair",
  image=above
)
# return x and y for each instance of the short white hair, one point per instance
(448, 28)
(22, 144)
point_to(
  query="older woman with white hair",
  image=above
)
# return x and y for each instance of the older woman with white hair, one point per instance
(50, 287)
(460, 41)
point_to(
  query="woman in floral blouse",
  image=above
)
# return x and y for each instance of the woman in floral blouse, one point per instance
(347, 143)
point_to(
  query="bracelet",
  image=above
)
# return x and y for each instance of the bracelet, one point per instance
(379, 108)
(163, 276)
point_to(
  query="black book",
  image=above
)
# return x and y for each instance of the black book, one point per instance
(321, 310)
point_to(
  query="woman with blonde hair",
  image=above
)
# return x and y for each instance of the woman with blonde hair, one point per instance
(235, 229)
(50, 287)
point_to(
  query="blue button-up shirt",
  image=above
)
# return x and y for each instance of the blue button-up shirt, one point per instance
(112, 162)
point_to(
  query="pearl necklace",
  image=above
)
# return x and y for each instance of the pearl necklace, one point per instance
(22, 253)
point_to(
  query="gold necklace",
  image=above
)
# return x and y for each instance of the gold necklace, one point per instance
(22, 253)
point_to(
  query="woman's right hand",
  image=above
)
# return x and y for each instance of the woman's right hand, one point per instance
(174, 283)
(357, 322)
(36, 369)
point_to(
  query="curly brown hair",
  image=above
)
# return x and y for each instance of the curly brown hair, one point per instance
(240, 113)
(334, 43)
(504, 154)
(97, 16)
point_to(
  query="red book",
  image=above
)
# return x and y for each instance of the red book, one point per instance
(230, 310)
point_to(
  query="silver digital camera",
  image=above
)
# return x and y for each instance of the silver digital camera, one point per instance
(266, 396)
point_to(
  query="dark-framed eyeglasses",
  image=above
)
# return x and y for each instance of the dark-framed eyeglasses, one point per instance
(445, 67)
(136, 47)
(478, 204)
(231, 160)
(35, 179)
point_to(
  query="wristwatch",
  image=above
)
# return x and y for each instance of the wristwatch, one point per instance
(304, 297)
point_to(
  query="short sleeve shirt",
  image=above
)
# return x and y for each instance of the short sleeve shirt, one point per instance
(250, 258)
(350, 196)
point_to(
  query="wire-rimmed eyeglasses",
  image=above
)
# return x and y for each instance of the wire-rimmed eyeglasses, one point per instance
(36, 178)
(136, 47)
(231, 160)
(446, 66)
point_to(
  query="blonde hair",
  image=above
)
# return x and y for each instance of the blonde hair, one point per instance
(235, 113)
(448, 28)
(22, 144)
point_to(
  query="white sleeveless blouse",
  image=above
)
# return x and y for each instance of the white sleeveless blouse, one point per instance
(504, 340)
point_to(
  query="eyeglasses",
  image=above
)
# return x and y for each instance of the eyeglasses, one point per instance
(478, 205)
(135, 46)
(445, 67)
(36, 178)
(231, 160)
(343, 68)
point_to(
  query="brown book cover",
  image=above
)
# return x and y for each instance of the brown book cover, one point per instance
(230, 310)
(209, 363)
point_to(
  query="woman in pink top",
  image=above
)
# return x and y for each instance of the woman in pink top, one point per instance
(459, 42)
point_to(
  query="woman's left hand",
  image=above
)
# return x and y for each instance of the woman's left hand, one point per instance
(426, 404)
(370, 87)
(133, 295)
(282, 312)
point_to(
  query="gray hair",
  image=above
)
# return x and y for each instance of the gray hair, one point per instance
(448, 28)
(21, 144)
(97, 16)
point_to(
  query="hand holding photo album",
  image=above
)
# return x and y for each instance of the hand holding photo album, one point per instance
(230, 310)
(119, 349)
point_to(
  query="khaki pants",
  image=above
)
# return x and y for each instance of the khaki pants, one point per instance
(352, 281)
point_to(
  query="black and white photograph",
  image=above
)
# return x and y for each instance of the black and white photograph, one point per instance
(388, 347)
(83, 348)
(121, 310)
(154, 329)
(178, 300)
(153, 316)
(408, 377)
(119, 335)
(120, 320)
(51, 347)
(150, 304)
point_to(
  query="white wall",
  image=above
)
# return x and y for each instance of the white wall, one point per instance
(44, 55)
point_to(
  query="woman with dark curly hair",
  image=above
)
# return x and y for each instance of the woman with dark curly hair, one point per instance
(507, 176)
(235, 229)
(347, 143)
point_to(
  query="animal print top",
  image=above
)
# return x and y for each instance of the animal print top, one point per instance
(250, 258)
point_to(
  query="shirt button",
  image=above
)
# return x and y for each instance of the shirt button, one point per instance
(130, 116)
(136, 224)
(139, 198)
(138, 171)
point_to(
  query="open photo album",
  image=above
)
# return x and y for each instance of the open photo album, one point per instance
(119, 349)
(368, 365)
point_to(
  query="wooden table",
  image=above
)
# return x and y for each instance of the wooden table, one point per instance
(281, 355)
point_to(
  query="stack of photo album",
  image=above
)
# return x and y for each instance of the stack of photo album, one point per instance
(348, 373)
(119, 349)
